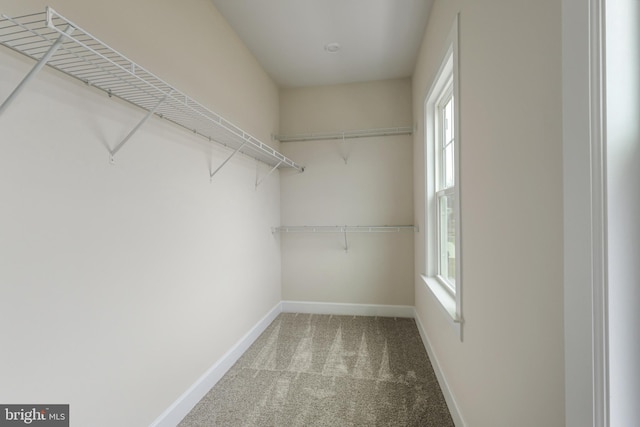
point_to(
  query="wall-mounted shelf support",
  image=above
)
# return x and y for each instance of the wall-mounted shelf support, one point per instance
(39, 65)
(343, 149)
(226, 160)
(260, 181)
(346, 243)
(344, 229)
(51, 39)
(135, 129)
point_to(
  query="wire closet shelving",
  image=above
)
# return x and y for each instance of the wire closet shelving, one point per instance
(347, 134)
(53, 40)
(344, 230)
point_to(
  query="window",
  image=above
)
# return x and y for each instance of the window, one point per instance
(445, 188)
(443, 274)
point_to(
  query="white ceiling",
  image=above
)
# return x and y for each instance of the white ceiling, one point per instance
(379, 38)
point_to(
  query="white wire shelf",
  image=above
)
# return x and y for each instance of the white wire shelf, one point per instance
(51, 39)
(344, 228)
(348, 134)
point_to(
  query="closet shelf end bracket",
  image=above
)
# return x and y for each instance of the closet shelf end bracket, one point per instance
(37, 67)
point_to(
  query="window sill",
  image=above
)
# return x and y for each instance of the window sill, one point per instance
(446, 301)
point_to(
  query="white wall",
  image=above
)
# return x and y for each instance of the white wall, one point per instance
(122, 284)
(372, 188)
(509, 370)
(623, 212)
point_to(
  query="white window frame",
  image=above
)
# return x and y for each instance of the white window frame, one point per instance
(441, 187)
(449, 297)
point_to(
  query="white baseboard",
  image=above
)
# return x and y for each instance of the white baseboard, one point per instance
(185, 403)
(348, 309)
(442, 381)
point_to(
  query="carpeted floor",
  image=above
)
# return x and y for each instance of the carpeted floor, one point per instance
(321, 370)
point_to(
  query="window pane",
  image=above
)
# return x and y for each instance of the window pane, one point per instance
(448, 115)
(447, 239)
(449, 180)
(447, 146)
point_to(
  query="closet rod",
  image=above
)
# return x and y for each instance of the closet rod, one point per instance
(349, 134)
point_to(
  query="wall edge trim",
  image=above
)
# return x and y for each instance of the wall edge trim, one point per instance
(452, 404)
(348, 309)
(190, 398)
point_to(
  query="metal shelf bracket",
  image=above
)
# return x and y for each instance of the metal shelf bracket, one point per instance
(260, 181)
(39, 65)
(226, 160)
(151, 112)
(346, 243)
(343, 149)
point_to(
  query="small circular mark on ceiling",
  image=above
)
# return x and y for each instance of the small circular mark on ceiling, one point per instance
(332, 47)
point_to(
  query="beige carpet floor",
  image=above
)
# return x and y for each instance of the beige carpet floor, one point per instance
(322, 370)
